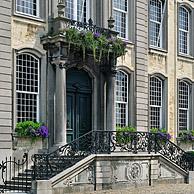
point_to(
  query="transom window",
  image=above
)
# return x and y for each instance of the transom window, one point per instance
(155, 102)
(183, 103)
(120, 14)
(155, 25)
(183, 30)
(28, 7)
(27, 87)
(121, 98)
(77, 10)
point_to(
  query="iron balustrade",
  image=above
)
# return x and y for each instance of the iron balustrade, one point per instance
(16, 175)
(106, 142)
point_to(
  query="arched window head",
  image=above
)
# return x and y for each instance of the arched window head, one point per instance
(183, 105)
(122, 90)
(27, 87)
(156, 104)
(183, 30)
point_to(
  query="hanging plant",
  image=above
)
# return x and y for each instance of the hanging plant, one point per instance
(95, 41)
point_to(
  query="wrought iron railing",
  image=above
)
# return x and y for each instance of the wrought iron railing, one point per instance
(105, 142)
(14, 174)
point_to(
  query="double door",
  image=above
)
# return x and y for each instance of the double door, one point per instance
(78, 114)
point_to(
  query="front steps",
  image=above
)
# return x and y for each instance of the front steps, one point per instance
(156, 189)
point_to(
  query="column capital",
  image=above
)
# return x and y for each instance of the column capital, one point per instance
(62, 64)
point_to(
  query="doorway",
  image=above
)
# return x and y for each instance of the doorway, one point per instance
(79, 103)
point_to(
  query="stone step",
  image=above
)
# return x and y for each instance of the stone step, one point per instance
(156, 189)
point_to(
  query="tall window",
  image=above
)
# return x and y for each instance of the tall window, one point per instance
(155, 102)
(120, 14)
(183, 30)
(77, 10)
(122, 80)
(183, 105)
(27, 87)
(155, 25)
(28, 7)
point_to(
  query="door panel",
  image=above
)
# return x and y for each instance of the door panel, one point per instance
(70, 117)
(78, 115)
(84, 114)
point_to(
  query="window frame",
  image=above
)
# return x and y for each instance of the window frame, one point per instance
(126, 18)
(161, 107)
(189, 98)
(182, 30)
(75, 10)
(27, 92)
(122, 102)
(161, 31)
(27, 14)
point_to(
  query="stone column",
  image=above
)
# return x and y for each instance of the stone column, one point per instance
(60, 106)
(110, 102)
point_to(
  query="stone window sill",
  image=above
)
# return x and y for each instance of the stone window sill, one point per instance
(158, 51)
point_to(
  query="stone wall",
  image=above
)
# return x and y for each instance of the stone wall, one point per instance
(115, 171)
(5, 79)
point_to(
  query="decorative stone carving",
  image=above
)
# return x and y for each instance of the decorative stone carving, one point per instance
(134, 171)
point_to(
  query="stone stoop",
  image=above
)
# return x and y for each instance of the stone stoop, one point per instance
(156, 189)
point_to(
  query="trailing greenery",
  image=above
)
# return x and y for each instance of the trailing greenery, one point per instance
(31, 129)
(124, 134)
(87, 40)
(186, 135)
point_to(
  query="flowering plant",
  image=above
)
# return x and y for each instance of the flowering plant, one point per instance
(95, 41)
(186, 135)
(31, 129)
(162, 133)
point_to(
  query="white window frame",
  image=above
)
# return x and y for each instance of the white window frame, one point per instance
(157, 106)
(185, 31)
(27, 92)
(127, 20)
(160, 33)
(187, 109)
(75, 8)
(122, 102)
(27, 14)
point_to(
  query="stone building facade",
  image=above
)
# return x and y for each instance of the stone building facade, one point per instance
(154, 79)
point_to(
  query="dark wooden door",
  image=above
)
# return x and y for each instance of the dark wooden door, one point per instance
(78, 104)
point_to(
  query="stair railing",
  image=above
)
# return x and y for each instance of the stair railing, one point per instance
(10, 169)
(105, 142)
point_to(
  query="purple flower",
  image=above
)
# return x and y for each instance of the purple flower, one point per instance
(97, 34)
(42, 131)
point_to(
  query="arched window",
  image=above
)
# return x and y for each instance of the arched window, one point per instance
(183, 30)
(156, 105)
(122, 90)
(183, 105)
(155, 24)
(27, 87)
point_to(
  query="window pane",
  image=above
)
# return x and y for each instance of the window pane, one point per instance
(183, 30)
(27, 7)
(120, 16)
(155, 15)
(121, 99)
(183, 105)
(27, 87)
(155, 102)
